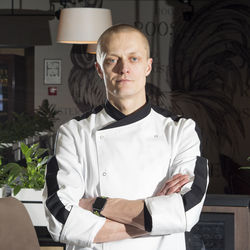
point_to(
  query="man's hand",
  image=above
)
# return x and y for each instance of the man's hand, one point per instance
(113, 231)
(123, 211)
(125, 218)
(171, 186)
(174, 184)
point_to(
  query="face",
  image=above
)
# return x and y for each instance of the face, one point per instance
(124, 66)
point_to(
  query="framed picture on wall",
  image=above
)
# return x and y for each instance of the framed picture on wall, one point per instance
(52, 71)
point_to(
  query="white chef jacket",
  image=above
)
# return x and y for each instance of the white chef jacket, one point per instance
(105, 153)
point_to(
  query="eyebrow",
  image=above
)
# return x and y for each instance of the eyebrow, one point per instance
(111, 55)
(130, 53)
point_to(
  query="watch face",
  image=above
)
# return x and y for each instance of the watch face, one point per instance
(99, 203)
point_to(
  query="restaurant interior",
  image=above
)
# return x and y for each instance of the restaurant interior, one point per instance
(200, 70)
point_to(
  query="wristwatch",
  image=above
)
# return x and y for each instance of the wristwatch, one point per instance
(99, 205)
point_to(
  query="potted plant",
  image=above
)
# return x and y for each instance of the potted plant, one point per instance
(2, 179)
(236, 175)
(242, 182)
(246, 167)
(29, 128)
(26, 178)
(29, 175)
(45, 116)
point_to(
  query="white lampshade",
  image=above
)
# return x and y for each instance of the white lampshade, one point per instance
(83, 25)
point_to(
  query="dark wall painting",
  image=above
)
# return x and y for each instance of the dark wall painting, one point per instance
(208, 80)
(209, 68)
(85, 86)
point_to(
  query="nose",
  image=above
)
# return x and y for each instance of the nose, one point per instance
(123, 67)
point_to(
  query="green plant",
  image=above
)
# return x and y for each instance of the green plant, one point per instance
(19, 127)
(24, 125)
(32, 175)
(2, 175)
(46, 116)
(246, 167)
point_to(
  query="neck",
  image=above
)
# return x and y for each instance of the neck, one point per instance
(127, 105)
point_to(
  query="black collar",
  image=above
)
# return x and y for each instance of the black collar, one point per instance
(113, 111)
(122, 119)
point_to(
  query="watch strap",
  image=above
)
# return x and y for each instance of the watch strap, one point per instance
(98, 205)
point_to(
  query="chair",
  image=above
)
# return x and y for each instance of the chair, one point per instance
(16, 229)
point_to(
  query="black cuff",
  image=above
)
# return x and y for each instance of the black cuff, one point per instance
(147, 219)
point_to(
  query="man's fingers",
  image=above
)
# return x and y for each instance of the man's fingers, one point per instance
(180, 180)
(176, 188)
(172, 190)
(174, 184)
(175, 177)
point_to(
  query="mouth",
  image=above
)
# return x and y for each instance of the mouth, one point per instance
(123, 81)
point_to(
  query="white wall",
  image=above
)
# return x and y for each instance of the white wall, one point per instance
(63, 99)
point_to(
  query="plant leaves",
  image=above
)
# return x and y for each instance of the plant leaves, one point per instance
(24, 148)
(12, 165)
(246, 167)
(16, 190)
(24, 125)
(41, 151)
(30, 176)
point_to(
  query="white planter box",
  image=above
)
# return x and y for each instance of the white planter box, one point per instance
(32, 200)
(4, 192)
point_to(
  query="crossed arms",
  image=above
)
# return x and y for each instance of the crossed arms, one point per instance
(125, 218)
(171, 212)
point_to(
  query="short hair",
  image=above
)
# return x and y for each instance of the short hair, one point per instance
(116, 29)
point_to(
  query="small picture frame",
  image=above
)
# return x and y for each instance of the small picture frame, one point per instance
(52, 71)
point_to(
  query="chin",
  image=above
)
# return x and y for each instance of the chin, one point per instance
(128, 94)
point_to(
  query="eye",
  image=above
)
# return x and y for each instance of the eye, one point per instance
(110, 60)
(134, 59)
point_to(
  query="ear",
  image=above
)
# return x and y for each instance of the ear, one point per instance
(99, 70)
(149, 67)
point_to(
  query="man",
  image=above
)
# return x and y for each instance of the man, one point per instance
(126, 175)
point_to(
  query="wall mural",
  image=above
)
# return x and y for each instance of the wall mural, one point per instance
(209, 68)
(208, 74)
